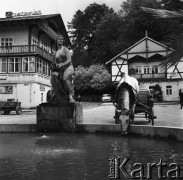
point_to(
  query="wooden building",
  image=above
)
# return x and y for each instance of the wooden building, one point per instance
(142, 61)
(27, 45)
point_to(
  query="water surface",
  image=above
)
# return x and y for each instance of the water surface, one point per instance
(78, 156)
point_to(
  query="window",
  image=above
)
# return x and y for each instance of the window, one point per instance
(14, 65)
(138, 70)
(39, 66)
(168, 90)
(31, 64)
(147, 70)
(34, 42)
(154, 69)
(28, 64)
(44, 67)
(49, 70)
(45, 46)
(25, 64)
(6, 42)
(3, 65)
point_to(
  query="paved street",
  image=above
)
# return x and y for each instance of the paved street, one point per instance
(167, 115)
(96, 113)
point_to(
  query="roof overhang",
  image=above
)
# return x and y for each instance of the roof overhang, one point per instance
(5, 22)
(146, 48)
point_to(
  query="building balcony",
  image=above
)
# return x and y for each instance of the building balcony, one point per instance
(147, 77)
(25, 49)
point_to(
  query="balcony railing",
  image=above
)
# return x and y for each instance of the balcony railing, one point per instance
(26, 49)
(149, 76)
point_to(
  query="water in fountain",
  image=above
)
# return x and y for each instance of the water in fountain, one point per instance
(78, 156)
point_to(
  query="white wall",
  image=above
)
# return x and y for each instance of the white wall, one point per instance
(115, 69)
(38, 92)
(20, 34)
(176, 85)
(23, 94)
(29, 94)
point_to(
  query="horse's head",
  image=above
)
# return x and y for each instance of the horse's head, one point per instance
(123, 116)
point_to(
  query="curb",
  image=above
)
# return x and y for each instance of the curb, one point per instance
(141, 130)
(18, 128)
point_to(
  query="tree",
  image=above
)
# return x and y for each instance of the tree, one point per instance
(129, 7)
(175, 41)
(83, 26)
(98, 33)
(137, 21)
(108, 39)
(171, 5)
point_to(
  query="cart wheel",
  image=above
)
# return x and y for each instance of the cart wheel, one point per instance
(146, 115)
(152, 116)
(131, 119)
(132, 114)
(18, 110)
(6, 112)
(117, 121)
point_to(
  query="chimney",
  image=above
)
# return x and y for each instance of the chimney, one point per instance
(9, 14)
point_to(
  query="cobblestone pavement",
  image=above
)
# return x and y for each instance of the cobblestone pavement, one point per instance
(96, 113)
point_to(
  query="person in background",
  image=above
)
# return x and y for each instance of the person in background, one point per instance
(181, 98)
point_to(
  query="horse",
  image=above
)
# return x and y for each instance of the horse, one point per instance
(126, 96)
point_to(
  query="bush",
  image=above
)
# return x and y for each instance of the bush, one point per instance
(92, 80)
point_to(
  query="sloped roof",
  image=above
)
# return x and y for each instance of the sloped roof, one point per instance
(145, 47)
(38, 18)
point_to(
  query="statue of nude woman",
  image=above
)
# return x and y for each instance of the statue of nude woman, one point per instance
(62, 72)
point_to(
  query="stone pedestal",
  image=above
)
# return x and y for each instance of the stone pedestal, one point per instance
(59, 118)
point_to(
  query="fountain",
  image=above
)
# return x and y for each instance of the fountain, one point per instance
(59, 114)
(61, 117)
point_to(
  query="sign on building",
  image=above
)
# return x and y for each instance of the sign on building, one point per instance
(6, 89)
(42, 88)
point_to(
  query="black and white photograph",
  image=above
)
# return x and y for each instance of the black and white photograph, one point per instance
(91, 89)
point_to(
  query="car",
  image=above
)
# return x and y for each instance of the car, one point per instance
(106, 98)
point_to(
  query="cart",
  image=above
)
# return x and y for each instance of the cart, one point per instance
(10, 105)
(143, 106)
